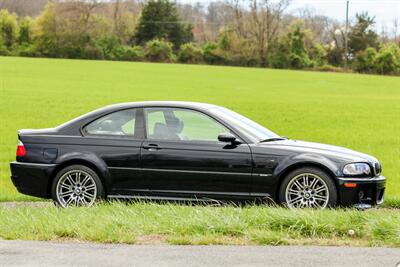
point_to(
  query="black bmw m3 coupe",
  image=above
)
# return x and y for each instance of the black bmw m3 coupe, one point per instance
(187, 151)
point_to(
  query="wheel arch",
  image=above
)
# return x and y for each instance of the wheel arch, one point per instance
(281, 176)
(98, 170)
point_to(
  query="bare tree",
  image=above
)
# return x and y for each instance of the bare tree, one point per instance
(219, 15)
(24, 7)
(319, 25)
(395, 29)
(265, 22)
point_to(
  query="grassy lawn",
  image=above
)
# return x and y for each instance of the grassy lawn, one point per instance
(145, 223)
(361, 112)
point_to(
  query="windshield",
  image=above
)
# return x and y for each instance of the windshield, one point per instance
(251, 129)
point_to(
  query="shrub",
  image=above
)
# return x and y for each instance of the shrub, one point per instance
(300, 61)
(3, 49)
(92, 51)
(128, 53)
(387, 61)
(109, 46)
(278, 54)
(330, 68)
(27, 50)
(212, 54)
(335, 56)
(319, 55)
(159, 50)
(365, 60)
(189, 53)
(231, 49)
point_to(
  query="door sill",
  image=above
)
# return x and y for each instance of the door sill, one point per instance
(197, 199)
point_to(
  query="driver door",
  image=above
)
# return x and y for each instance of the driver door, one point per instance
(181, 155)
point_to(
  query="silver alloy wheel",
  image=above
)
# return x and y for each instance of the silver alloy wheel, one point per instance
(76, 188)
(307, 190)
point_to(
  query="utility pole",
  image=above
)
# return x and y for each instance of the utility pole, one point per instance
(346, 41)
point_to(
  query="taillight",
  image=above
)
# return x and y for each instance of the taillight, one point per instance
(21, 151)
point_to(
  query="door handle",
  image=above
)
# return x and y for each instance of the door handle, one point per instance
(151, 147)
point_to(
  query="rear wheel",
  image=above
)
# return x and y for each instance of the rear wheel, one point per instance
(76, 185)
(308, 188)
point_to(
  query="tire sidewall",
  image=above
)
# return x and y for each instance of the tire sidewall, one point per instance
(333, 198)
(93, 174)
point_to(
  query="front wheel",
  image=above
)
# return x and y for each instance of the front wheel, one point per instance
(308, 188)
(76, 185)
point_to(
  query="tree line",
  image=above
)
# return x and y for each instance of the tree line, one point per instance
(256, 33)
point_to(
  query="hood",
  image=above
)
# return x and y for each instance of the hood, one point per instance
(327, 150)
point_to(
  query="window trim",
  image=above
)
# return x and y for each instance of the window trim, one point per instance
(139, 119)
(240, 139)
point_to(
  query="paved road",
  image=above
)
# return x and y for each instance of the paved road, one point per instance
(34, 253)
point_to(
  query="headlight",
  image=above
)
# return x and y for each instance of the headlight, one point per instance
(357, 169)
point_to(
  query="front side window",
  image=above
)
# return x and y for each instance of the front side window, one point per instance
(118, 123)
(181, 124)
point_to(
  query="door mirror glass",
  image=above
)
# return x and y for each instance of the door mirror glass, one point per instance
(227, 138)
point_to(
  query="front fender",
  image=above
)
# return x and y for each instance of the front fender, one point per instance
(306, 159)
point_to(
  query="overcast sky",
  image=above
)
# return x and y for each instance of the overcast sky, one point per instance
(385, 11)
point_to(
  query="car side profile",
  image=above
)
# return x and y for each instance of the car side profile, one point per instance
(187, 151)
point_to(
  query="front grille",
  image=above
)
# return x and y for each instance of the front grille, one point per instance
(377, 169)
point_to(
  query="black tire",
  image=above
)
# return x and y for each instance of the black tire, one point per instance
(98, 193)
(331, 196)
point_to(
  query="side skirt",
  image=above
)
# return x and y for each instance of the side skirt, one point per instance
(192, 199)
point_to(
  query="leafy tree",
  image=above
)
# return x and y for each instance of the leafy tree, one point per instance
(8, 28)
(160, 20)
(298, 55)
(362, 35)
(46, 32)
(25, 30)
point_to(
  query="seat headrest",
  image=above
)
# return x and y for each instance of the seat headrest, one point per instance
(160, 131)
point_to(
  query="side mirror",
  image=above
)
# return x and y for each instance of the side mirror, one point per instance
(227, 138)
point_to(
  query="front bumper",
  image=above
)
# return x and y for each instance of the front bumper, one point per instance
(368, 191)
(31, 178)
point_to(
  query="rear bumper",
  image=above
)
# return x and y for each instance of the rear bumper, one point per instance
(368, 191)
(31, 178)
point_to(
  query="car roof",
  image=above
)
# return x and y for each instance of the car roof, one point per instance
(182, 104)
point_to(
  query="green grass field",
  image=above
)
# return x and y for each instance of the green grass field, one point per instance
(202, 225)
(361, 112)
